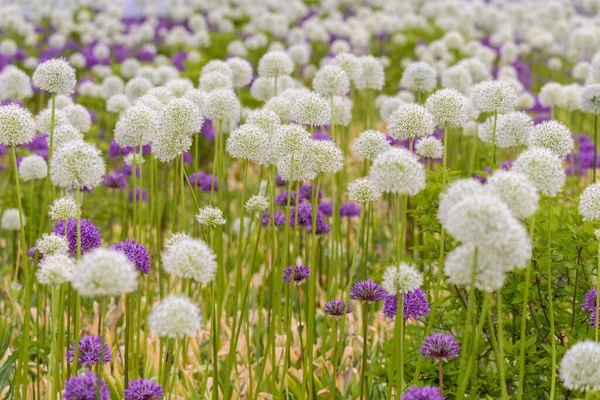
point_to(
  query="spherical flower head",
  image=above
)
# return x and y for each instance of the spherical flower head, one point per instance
(182, 116)
(589, 203)
(51, 244)
(77, 165)
(552, 135)
(222, 104)
(580, 366)
(430, 147)
(419, 77)
(299, 274)
(350, 64)
(175, 237)
(456, 192)
(90, 235)
(63, 208)
(274, 64)
(415, 305)
(369, 145)
(249, 142)
(341, 113)
(143, 389)
(457, 77)
(401, 278)
(56, 76)
(179, 87)
(14, 84)
(543, 168)
(331, 80)
(241, 71)
(282, 198)
(350, 210)
(440, 347)
(590, 99)
(291, 139)
(104, 272)
(512, 129)
(210, 216)
(16, 125)
(449, 108)
(137, 87)
(494, 97)
(336, 308)
(89, 351)
(54, 270)
(216, 65)
(33, 167)
(369, 291)
(265, 119)
(83, 387)
(398, 171)
(516, 191)
(215, 80)
(10, 220)
(325, 157)
(589, 301)
(490, 269)
(166, 145)
(424, 393)
(43, 120)
(136, 125)
(372, 75)
(175, 317)
(79, 117)
(311, 109)
(363, 191)
(257, 204)
(190, 258)
(64, 134)
(410, 121)
(550, 94)
(136, 253)
(117, 103)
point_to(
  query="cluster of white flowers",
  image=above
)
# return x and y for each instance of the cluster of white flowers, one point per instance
(104, 272)
(33, 167)
(190, 258)
(580, 366)
(401, 279)
(78, 165)
(50, 244)
(398, 171)
(210, 216)
(55, 270)
(175, 317)
(411, 121)
(63, 208)
(369, 145)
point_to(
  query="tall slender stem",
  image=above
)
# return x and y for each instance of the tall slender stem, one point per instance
(400, 344)
(364, 387)
(551, 301)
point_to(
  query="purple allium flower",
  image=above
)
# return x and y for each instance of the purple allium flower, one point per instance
(304, 215)
(89, 351)
(90, 235)
(589, 301)
(279, 181)
(326, 208)
(278, 218)
(203, 181)
(282, 198)
(440, 347)
(505, 166)
(115, 180)
(322, 227)
(424, 393)
(415, 305)
(31, 253)
(306, 192)
(83, 387)
(143, 389)
(114, 150)
(322, 136)
(349, 210)
(187, 157)
(136, 253)
(336, 308)
(137, 194)
(300, 274)
(369, 291)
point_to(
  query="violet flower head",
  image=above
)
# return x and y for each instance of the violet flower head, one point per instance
(282, 198)
(301, 273)
(204, 181)
(304, 215)
(143, 389)
(89, 351)
(278, 218)
(114, 150)
(306, 192)
(115, 180)
(589, 301)
(415, 305)
(322, 227)
(336, 308)
(90, 235)
(369, 291)
(349, 210)
(326, 208)
(440, 347)
(83, 387)
(279, 181)
(424, 393)
(322, 136)
(143, 197)
(137, 254)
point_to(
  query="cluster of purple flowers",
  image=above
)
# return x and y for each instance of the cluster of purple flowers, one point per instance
(589, 305)
(440, 347)
(415, 305)
(91, 237)
(369, 291)
(424, 393)
(204, 181)
(143, 389)
(300, 274)
(137, 254)
(89, 351)
(83, 387)
(336, 308)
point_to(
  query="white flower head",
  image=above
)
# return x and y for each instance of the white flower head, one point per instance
(494, 96)
(249, 142)
(215, 80)
(10, 220)
(104, 272)
(175, 237)
(369, 145)
(325, 157)
(398, 171)
(331, 80)
(175, 317)
(210, 216)
(33, 167)
(274, 64)
(137, 125)
(419, 77)
(136, 88)
(430, 147)
(580, 366)
(512, 129)
(222, 104)
(16, 125)
(550, 94)
(54, 270)
(449, 107)
(457, 77)
(372, 73)
(554, 136)
(43, 120)
(401, 278)
(241, 71)
(181, 116)
(516, 191)
(77, 165)
(51, 243)
(56, 76)
(410, 121)
(590, 99)
(454, 194)
(350, 64)
(63, 208)
(589, 203)
(311, 109)
(190, 258)
(362, 191)
(257, 204)
(79, 117)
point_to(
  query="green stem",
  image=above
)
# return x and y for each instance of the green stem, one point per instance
(399, 323)
(364, 387)
(551, 302)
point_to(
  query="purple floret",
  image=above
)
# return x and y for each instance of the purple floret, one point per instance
(115, 180)
(204, 181)
(137, 254)
(143, 389)
(306, 192)
(144, 196)
(89, 351)
(278, 219)
(326, 207)
(83, 387)
(424, 393)
(90, 235)
(440, 347)
(589, 301)
(369, 291)
(300, 274)
(282, 198)
(350, 210)
(415, 305)
(336, 308)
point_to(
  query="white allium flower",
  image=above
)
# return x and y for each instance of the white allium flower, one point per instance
(77, 165)
(136, 88)
(249, 142)
(571, 97)
(369, 145)
(550, 94)
(190, 258)
(458, 267)
(525, 101)
(350, 64)
(33, 167)
(590, 99)
(401, 278)
(512, 129)
(580, 366)
(311, 109)
(212, 216)
(112, 85)
(479, 72)
(299, 53)
(263, 89)
(388, 106)
(516, 191)
(51, 243)
(60, 101)
(589, 202)
(449, 107)
(175, 237)
(341, 113)
(14, 84)
(117, 103)
(10, 220)
(331, 80)
(133, 159)
(457, 77)
(398, 171)
(64, 134)
(56, 269)
(292, 139)
(362, 191)
(130, 67)
(79, 117)
(274, 64)
(257, 204)
(581, 70)
(215, 80)
(494, 96)
(159, 93)
(63, 208)
(216, 65)
(43, 120)
(175, 317)
(325, 157)
(8, 47)
(197, 97)
(104, 272)
(372, 74)
(78, 60)
(419, 77)
(296, 166)
(552, 135)
(282, 106)
(241, 71)
(167, 145)
(179, 87)
(430, 147)
(181, 116)
(410, 121)
(222, 104)
(265, 119)
(543, 168)
(16, 125)
(56, 76)
(454, 194)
